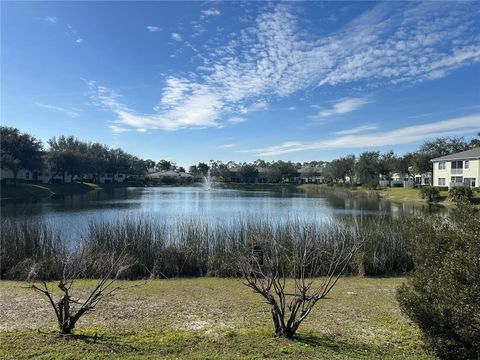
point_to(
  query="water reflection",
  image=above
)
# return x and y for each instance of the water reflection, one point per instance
(72, 213)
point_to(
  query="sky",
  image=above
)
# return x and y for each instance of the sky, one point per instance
(197, 81)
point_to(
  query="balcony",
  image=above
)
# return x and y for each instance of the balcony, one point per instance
(456, 171)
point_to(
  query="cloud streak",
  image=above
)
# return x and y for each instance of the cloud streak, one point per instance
(69, 112)
(410, 134)
(358, 129)
(153, 28)
(343, 107)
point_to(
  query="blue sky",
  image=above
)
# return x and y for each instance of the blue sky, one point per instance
(194, 81)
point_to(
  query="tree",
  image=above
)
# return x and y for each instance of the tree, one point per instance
(69, 309)
(248, 173)
(368, 166)
(443, 294)
(181, 169)
(444, 146)
(164, 165)
(388, 163)
(287, 169)
(270, 262)
(475, 142)
(19, 151)
(203, 168)
(67, 155)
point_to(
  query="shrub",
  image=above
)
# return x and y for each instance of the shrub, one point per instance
(432, 194)
(460, 193)
(443, 295)
(371, 185)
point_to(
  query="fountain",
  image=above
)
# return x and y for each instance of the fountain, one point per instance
(208, 182)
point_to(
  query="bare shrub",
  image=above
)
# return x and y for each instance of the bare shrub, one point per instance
(69, 308)
(312, 258)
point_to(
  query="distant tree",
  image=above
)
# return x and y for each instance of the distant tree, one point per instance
(19, 151)
(388, 163)
(203, 168)
(421, 163)
(273, 174)
(97, 159)
(334, 171)
(368, 166)
(119, 162)
(348, 163)
(248, 172)
(150, 164)
(193, 170)
(181, 169)
(475, 142)
(164, 165)
(220, 169)
(261, 163)
(444, 146)
(287, 169)
(67, 155)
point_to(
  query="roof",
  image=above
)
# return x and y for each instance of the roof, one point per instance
(469, 154)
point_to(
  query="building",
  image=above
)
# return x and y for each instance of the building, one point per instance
(43, 176)
(461, 168)
(310, 175)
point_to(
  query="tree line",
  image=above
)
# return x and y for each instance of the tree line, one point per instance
(67, 155)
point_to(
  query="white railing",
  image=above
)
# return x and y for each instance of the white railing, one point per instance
(456, 171)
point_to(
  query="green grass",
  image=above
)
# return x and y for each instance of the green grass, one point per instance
(404, 195)
(211, 318)
(29, 190)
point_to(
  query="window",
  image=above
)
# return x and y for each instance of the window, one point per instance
(441, 165)
(457, 179)
(441, 181)
(467, 164)
(27, 175)
(469, 182)
(457, 164)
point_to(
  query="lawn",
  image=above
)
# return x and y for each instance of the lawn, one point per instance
(34, 191)
(211, 318)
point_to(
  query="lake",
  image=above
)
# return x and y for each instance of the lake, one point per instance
(72, 213)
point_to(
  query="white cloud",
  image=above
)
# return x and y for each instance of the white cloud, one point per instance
(118, 129)
(152, 28)
(236, 120)
(275, 58)
(410, 134)
(210, 12)
(69, 112)
(71, 32)
(227, 146)
(51, 19)
(343, 107)
(176, 36)
(291, 108)
(358, 129)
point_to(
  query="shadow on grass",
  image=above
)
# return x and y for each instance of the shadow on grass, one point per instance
(340, 346)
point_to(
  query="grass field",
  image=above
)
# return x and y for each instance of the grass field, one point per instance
(211, 318)
(35, 191)
(403, 195)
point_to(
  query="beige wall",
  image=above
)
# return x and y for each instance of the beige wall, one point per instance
(472, 172)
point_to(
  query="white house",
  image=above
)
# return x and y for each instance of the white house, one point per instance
(461, 168)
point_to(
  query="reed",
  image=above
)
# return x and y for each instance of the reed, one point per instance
(192, 247)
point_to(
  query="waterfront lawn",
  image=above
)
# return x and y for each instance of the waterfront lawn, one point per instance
(25, 190)
(211, 318)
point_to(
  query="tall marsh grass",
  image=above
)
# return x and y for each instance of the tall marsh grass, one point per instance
(193, 247)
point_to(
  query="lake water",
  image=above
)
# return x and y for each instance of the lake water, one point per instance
(71, 214)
